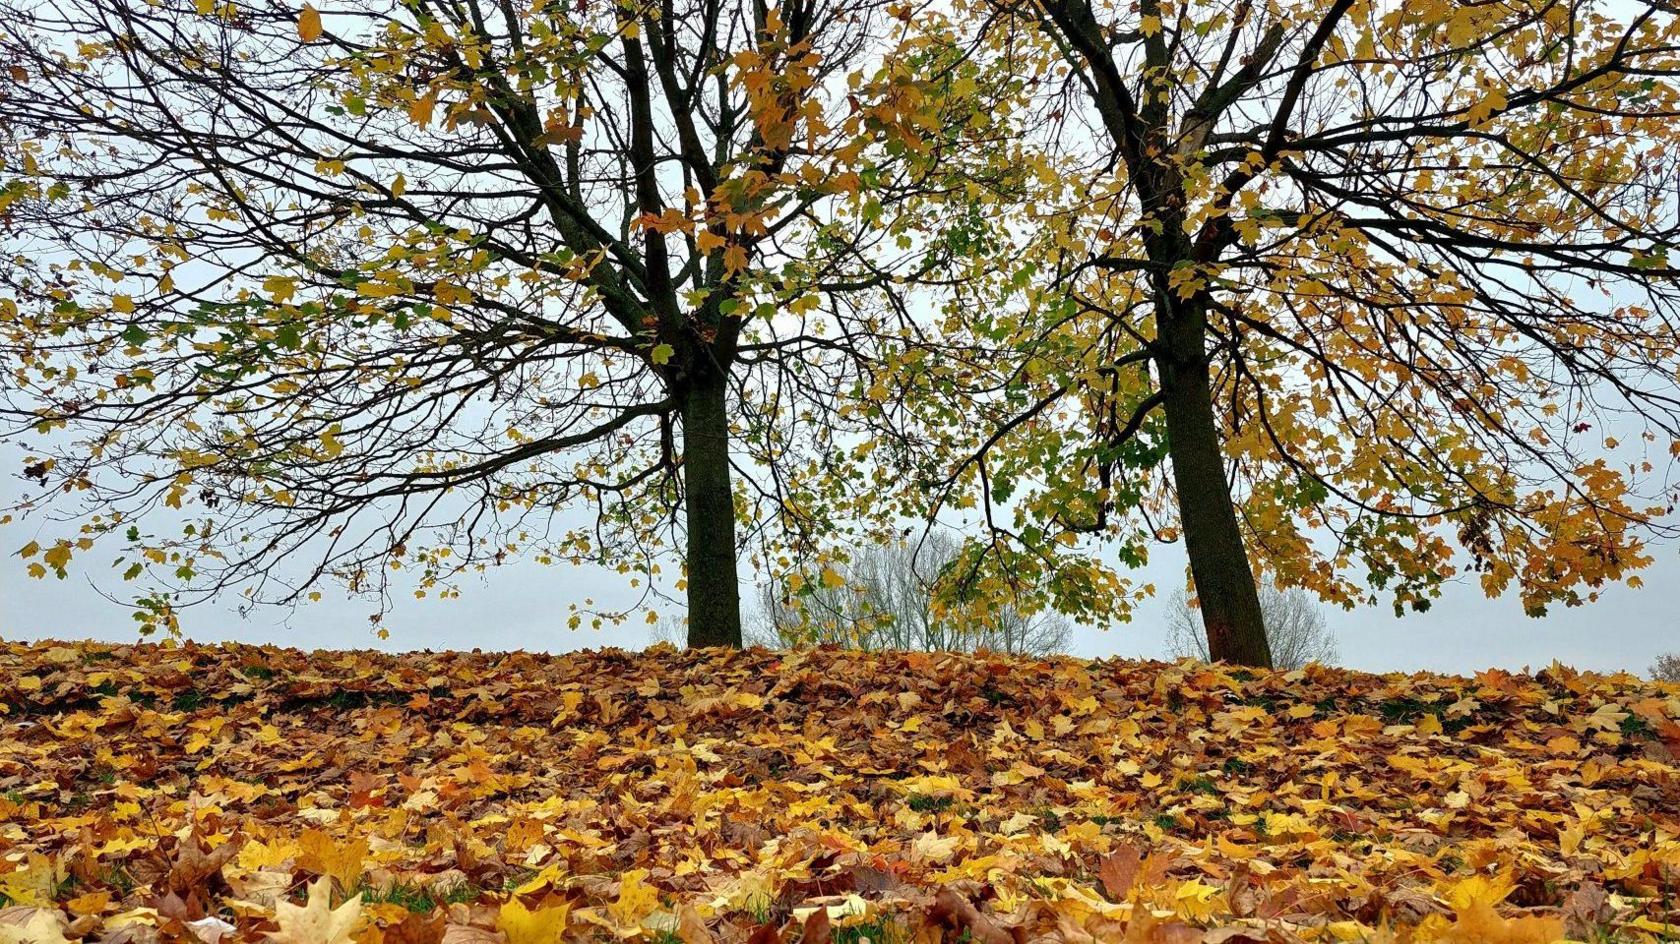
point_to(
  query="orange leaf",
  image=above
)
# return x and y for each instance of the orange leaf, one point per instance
(309, 24)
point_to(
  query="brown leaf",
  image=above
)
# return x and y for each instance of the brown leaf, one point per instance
(417, 928)
(1118, 870)
(817, 930)
(953, 909)
(1587, 908)
(691, 928)
(471, 934)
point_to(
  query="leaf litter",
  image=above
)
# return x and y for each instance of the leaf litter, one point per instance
(231, 793)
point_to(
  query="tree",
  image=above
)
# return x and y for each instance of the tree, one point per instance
(1363, 294)
(1667, 667)
(397, 286)
(1295, 628)
(887, 598)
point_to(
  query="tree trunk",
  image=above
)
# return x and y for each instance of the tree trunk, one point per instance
(1218, 562)
(714, 591)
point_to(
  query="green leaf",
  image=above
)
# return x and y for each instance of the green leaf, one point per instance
(662, 353)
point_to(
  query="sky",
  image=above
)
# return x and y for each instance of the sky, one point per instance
(523, 605)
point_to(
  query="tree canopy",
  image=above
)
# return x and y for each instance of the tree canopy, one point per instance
(1365, 296)
(420, 286)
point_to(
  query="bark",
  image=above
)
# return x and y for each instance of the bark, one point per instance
(714, 592)
(1218, 561)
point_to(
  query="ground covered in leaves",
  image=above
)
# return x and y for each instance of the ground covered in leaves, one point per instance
(234, 793)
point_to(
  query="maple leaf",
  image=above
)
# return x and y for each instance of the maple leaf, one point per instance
(211, 930)
(1477, 922)
(636, 900)
(309, 24)
(952, 908)
(545, 925)
(1118, 870)
(32, 885)
(316, 921)
(340, 859)
(932, 847)
(28, 925)
(417, 928)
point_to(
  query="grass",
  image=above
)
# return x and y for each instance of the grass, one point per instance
(416, 898)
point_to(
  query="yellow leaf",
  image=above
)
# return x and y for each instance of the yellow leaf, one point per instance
(1482, 112)
(636, 900)
(124, 304)
(420, 110)
(280, 287)
(31, 886)
(1477, 922)
(309, 24)
(31, 926)
(451, 294)
(551, 873)
(371, 289)
(932, 847)
(319, 852)
(546, 925)
(317, 922)
(734, 259)
(58, 555)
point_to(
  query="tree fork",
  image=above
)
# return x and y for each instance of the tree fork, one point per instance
(714, 591)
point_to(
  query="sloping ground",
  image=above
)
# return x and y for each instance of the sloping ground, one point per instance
(195, 793)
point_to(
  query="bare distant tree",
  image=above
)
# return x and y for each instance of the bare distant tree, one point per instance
(886, 602)
(671, 629)
(1295, 628)
(1667, 667)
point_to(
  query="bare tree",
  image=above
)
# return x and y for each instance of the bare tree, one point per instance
(886, 599)
(1295, 628)
(1667, 667)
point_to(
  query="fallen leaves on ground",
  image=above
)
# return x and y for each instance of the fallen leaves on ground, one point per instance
(243, 794)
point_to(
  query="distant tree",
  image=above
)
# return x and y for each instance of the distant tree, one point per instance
(1667, 667)
(886, 598)
(669, 629)
(1295, 628)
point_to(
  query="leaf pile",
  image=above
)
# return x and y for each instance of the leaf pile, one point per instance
(236, 793)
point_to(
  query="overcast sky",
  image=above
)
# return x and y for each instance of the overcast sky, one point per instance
(524, 606)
